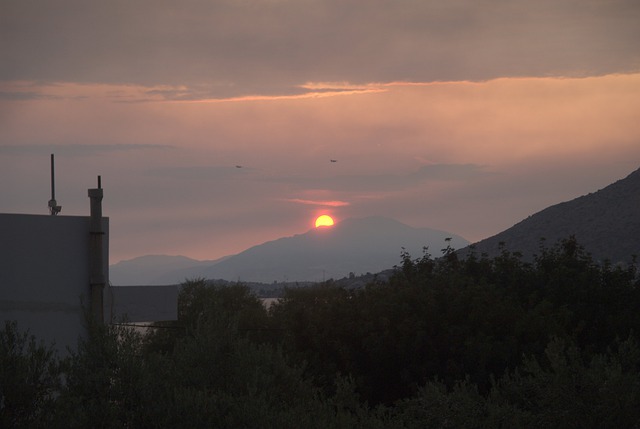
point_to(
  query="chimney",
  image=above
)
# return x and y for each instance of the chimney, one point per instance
(97, 278)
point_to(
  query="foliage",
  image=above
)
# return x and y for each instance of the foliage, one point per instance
(457, 319)
(559, 390)
(107, 380)
(449, 342)
(29, 378)
(214, 374)
(222, 308)
(567, 389)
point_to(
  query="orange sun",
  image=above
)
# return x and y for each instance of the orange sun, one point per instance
(324, 220)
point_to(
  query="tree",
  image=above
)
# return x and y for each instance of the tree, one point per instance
(29, 379)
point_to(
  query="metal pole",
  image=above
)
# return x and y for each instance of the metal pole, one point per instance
(53, 179)
(54, 208)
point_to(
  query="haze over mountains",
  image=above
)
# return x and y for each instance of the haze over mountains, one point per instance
(154, 269)
(356, 246)
(606, 223)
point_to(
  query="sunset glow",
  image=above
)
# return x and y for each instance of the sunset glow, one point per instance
(199, 116)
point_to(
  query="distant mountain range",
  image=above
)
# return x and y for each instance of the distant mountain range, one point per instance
(606, 223)
(358, 246)
(156, 270)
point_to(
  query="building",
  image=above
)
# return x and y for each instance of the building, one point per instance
(55, 273)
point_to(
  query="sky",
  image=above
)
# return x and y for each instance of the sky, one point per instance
(213, 123)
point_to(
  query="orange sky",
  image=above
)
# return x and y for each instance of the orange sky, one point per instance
(470, 134)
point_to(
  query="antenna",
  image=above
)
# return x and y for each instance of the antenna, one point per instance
(54, 208)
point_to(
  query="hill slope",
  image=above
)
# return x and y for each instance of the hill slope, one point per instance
(156, 270)
(359, 246)
(606, 223)
(354, 246)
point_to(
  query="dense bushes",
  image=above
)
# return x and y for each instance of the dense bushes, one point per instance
(458, 319)
(451, 342)
(29, 379)
(508, 341)
(208, 371)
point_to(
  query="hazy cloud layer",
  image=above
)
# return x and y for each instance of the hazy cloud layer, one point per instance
(226, 48)
(77, 149)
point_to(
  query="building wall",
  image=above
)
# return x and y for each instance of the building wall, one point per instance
(44, 274)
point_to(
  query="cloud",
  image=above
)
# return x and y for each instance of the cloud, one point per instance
(468, 157)
(202, 172)
(229, 48)
(18, 96)
(36, 90)
(78, 149)
(449, 172)
(333, 203)
(386, 182)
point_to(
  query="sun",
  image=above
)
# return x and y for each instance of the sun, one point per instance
(324, 220)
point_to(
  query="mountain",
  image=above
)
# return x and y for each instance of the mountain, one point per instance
(356, 246)
(156, 270)
(606, 223)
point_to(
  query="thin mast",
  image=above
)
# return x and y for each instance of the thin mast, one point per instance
(54, 208)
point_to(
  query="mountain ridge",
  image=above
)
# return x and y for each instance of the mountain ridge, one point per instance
(606, 223)
(355, 245)
(155, 269)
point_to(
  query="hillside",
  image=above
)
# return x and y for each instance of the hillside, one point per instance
(606, 223)
(356, 246)
(156, 270)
